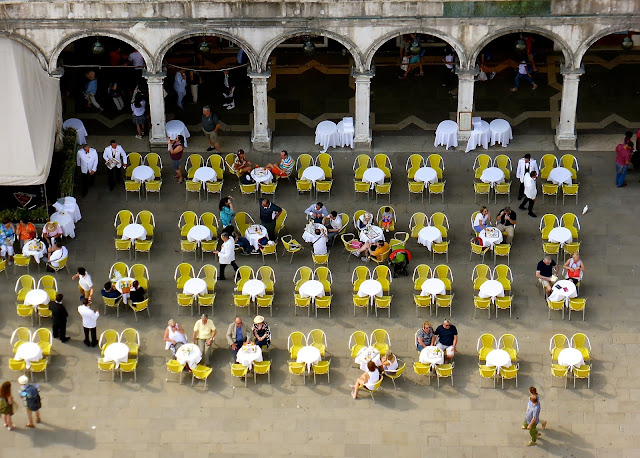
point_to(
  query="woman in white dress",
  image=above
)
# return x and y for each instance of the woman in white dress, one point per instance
(368, 379)
(174, 337)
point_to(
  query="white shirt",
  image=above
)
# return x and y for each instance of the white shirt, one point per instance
(87, 161)
(58, 255)
(85, 282)
(136, 59)
(336, 223)
(320, 245)
(522, 69)
(180, 84)
(89, 317)
(138, 111)
(480, 218)
(521, 170)
(227, 252)
(117, 153)
(530, 189)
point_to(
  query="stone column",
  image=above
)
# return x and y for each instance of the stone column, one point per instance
(261, 134)
(566, 129)
(157, 136)
(466, 81)
(362, 138)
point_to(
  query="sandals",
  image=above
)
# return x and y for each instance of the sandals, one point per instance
(29, 425)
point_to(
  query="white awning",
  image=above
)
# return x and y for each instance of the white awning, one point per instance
(29, 118)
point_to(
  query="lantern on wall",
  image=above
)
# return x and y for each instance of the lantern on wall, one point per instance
(627, 43)
(308, 47)
(97, 49)
(204, 47)
(520, 45)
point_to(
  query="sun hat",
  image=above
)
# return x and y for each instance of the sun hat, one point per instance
(258, 319)
(51, 226)
(23, 380)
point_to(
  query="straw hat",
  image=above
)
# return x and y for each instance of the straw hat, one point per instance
(23, 380)
(51, 226)
(258, 319)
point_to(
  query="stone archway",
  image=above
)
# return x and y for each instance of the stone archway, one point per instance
(32, 46)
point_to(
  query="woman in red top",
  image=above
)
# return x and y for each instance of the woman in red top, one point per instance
(26, 232)
(176, 148)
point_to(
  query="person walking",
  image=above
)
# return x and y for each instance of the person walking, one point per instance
(526, 165)
(523, 72)
(87, 160)
(530, 192)
(90, 90)
(226, 255)
(85, 284)
(138, 108)
(31, 396)
(89, 322)
(180, 86)
(210, 128)
(6, 405)
(623, 157)
(115, 158)
(59, 319)
(176, 148)
(228, 92)
(531, 419)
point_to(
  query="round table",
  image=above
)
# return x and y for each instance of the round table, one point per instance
(254, 233)
(248, 354)
(427, 175)
(371, 234)
(560, 176)
(431, 355)
(195, 287)
(117, 352)
(374, 176)
(308, 355)
(254, 288)
(365, 355)
(175, 128)
(35, 248)
(68, 204)
(429, 235)
(28, 352)
(491, 289)
(310, 236)
(345, 132)
(134, 232)
(198, 233)
(312, 288)
(120, 284)
(36, 297)
(498, 358)
(563, 290)
(189, 354)
(500, 132)
(204, 174)
(78, 126)
(326, 135)
(261, 175)
(480, 136)
(432, 287)
(313, 173)
(142, 173)
(569, 357)
(560, 235)
(492, 175)
(447, 134)
(493, 238)
(370, 288)
(65, 221)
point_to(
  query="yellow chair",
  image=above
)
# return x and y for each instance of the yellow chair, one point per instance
(383, 189)
(557, 343)
(269, 189)
(3, 267)
(383, 302)
(346, 242)
(440, 248)
(323, 303)
(417, 187)
(187, 220)
(361, 187)
(361, 163)
(147, 220)
(25, 311)
(62, 264)
(417, 222)
(485, 345)
(317, 338)
(571, 222)
(577, 305)
(214, 187)
(104, 366)
(154, 161)
(194, 162)
(581, 342)
(383, 162)
(547, 223)
(140, 307)
(509, 373)
(422, 302)
(502, 249)
(444, 371)
(143, 246)
(481, 304)
(570, 190)
(568, 161)
(302, 162)
(20, 260)
(18, 366)
(152, 186)
(561, 372)
(321, 368)
(132, 186)
(265, 302)
(301, 302)
(414, 162)
(261, 368)
(44, 312)
(444, 273)
(304, 186)
(267, 250)
(208, 246)
(268, 277)
(39, 367)
(444, 301)
(242, 301)
(201, 372)
(122, 220)
(185, 300)
(107, 337)
(282, 217)
(383, 275)
(216, 162)
(206, 300)
(209, 220)
(583, 372)
(360, 302)
(487, 372)
(239, 371)
(423, 370)
(481, 189)
(192, 186)
(437, 188)
(547, 163)
(50, 285)
(360, 340)
(555, 306)
(242, 275)
(324, 186)
(297, 369)
(509, 343)
(421, 273)
(295, 342)
(123, 245)
(549, 189)
(380, 340)
(325, 162)
(130, 367)
(174, 367)
(571, 248)
(502, 273)
(141, 274)
(188, 247)
(551, 249)
(131, 337)
(243, 221)
(481, 162)
(376, 387)
(19, 336)
(436, 162)
(24, 284)
(395, 375)
(290, 245)
(503, 303)
(503, 162)
(229, 160)
(481, 273)
(133, 161)
(502, 189)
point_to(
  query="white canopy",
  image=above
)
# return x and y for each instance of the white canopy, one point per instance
(31, 116)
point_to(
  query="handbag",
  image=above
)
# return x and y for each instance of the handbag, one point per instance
(574, 273)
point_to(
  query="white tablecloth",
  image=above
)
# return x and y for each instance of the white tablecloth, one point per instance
(35, 248)
(370, 288)
(198, 233)
(492, 175)
(327, 135)
(117, 352)
(204, 174)
(372, 234)
(480, 136)
(65, 220)
(254, 288)
(120, 286)
(254, 233)
(429, 235)
(558, 292)
(374, 176)
(308, 355)
(569, 357)
(28, 352)
(365, 355)
(426, 175)
(310, 236)
(447, 134)
(195, 287)
(431, 355)
(560, 235)
(498, 358)
(345, 133)
(261, 175)
(189, 354)
(560, 176)
(36, 297)
(492, 289)
(142, 173)
(134, 232)
(76, 124)
(493, 240)
(248, 354)
(312, 288)
(69, 205)
(313, 173)
(175, 128)
(500, 132)
(432, 287)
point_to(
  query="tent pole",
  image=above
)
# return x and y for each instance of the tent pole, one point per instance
(46, 200)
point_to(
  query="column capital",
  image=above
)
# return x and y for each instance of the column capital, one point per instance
(574, 73)
(257, 75)
(57, 73)
(156, 78)
(465, 73)
(362, 76)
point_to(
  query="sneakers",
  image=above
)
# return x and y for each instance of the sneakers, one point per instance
(530, 443)
(231, 106)
(365, 259)
(355, 253)
(492, 75)
(139, 137)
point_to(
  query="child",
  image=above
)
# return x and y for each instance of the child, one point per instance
(387, 219)
(6, 405)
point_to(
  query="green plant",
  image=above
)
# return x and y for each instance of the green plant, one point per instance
(68, 171)
(37, 215)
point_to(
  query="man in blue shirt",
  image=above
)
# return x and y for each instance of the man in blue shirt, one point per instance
(90, 90)
(110, 291)
(269, 213)
(237, 333)
(317, 212)
(531, 419)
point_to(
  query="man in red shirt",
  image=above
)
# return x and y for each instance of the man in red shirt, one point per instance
(623, 156)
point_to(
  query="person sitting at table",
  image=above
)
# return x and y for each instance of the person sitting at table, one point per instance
(7, 237)
(480, 221)
(320, 242)
(546, 273)
(241, 165)
(506, 220)
(261, 332)
(110, 291)
(366, 219)
(174, 337)
(204, 331)
(25, 232)
(333, 225)
(50, 231)
(317, 212)
(447, 336)
(368, 379)
(389, 362)
(378, 250)
(137, 292)
(57, 253)
(284, 168)
(424, 336)
(575, 268)
(237, 334)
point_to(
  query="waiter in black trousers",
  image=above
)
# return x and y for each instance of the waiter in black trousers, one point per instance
(59, 319)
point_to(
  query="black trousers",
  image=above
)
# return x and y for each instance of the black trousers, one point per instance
(59, 329)
(531, 202)
(224, 266)
(87, 181)
(114, 177)
(271, 229)
(94, 337)
(521, 191)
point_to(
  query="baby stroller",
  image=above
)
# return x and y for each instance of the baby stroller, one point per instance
(399, 261)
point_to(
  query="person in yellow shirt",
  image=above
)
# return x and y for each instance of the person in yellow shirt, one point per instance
(381, 248)
(204, 332)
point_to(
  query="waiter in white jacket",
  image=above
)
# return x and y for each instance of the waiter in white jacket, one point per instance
(226, 255)
(87, 160)
(526, 165)
(530, 192)
(115, 158)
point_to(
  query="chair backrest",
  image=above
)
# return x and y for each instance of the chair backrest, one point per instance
(183, 272)
(443, 271)
(194, 161)
(382, 273)
(379, 336)
(280, 220)
(187, 220)
(26, 283)
(140, 273)
(358, 339)
(482, 162)
(20, 334)
(503, 162)
(361, 163)
(381, 210)
(243, 221)
(119, 267)
(134, 160)
(243, 274)
(215, 162)
(266, 274)
(317, 337)
(325, 162)
(323, 275)
(436, 162)
(570, 220)
(568, 161)
(48, 282)
(418, 221)
(558, 341)
(414, 162)
(508, 341)
(296, 339)
(123, 219)
(209, 273)
(130, 336)
(481, 271)
(107, 337)
(145, 217)
(359, 274)
(420, 274)
(302, 275)
(487, 341)
(502, 272)
(579, 340)
(209, 219)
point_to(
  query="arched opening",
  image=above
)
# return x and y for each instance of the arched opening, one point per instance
(609, 93)
(520, 81)
(415, 81)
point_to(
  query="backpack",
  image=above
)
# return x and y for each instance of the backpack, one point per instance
(246, 179)
(478, 241)
(32, 398)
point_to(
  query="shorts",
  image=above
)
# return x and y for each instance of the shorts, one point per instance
(139, 119)
(278, 171)
(212, 136)
(175, 163)
(448, 350)
(544, 283)
(414, 59)
(6, 250)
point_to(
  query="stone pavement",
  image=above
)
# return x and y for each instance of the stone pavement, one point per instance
(83, 416)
